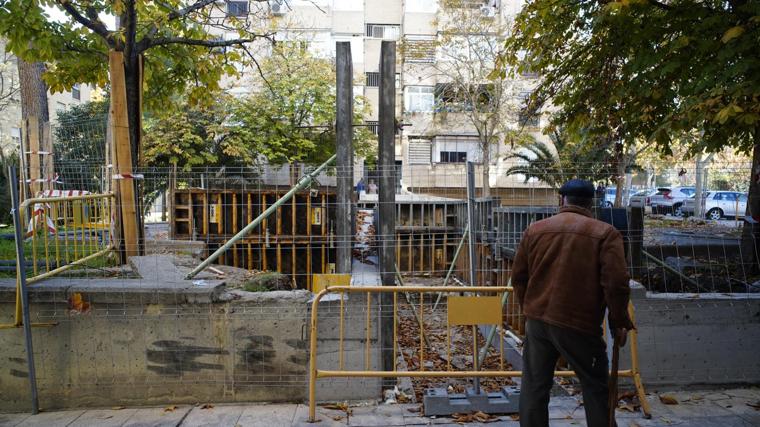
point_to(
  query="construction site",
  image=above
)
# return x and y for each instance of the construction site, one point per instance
(343, 293)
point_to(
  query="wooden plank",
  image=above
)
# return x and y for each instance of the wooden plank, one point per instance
(123, 154)
(32, 124)
(46, 144)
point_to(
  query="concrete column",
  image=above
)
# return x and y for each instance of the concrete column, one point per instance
(386, 163)
(344, 111)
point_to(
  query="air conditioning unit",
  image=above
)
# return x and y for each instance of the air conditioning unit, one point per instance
(277, 7)
(488, 11)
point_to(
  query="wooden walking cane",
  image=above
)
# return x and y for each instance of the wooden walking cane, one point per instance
(613, 382)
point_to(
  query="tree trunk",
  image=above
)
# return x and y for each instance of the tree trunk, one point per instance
(750, 243)
(33, 90)
(34, 102)
(486, 149)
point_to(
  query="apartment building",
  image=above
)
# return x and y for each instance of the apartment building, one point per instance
(438, 133)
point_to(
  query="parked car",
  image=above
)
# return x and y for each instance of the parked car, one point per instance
(642, 197)
(717, 204)
(609, 197)
(669, 200)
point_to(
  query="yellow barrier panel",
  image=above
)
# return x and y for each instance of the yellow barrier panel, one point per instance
(474, 310)
(462, 310)
(324, 281)
(62, 233)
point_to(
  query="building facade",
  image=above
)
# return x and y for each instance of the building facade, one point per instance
(445, 53)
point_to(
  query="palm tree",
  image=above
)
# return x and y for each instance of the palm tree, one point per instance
(568, 160)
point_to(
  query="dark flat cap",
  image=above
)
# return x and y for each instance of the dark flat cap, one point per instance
(577, 188)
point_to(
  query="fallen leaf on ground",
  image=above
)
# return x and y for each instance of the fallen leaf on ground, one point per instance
(337, 418)
(668, 399)
(479, 416)
(77, 304)
(630, 407)
(415, 409)
(118, 408)
(207, 406)
(514, 417)
(170, 408)
(755, 405)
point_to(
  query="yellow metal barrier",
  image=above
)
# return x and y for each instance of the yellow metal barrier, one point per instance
(462, 310)
(62, 233)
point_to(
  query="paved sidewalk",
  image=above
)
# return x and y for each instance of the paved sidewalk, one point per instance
(714, 408)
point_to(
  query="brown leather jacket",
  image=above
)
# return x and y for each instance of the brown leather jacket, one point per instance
(568, 268)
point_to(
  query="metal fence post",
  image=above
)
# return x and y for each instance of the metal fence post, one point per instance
(21, 274)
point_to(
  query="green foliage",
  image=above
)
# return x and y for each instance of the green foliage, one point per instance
(290, 116)
(569, 158)
(79, 144)
(645, 69)
(287, 118)
(267, 281)
(190, 135)
(178, 38)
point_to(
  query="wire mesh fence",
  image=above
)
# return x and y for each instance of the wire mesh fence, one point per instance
(138, 328)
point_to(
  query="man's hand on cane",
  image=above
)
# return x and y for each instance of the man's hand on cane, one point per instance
(621, 336)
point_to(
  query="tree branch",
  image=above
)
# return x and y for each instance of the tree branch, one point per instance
(163, 41)
(96, 26)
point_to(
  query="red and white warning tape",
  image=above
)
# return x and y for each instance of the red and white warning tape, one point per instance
(127, 176)
(53, 180)
(42, 153)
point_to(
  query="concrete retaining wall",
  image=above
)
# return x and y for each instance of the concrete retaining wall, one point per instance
(688, 339)
(145, 343)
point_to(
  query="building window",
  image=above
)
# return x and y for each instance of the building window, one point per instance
(382, 31)
(419, 99)
(453, 157)
(457, 98)
(528, 119)
(76, 92)
(419, 49)
(373, 79)
(373, 126)
(422, 6)
(237, 8)
(420, 151)
(16, 136)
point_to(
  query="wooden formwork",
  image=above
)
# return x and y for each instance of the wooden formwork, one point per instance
(297, 240)
(427, 234)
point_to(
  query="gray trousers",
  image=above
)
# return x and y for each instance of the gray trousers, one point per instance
(587, 355)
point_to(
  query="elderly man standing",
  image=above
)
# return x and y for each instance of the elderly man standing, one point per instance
(568, 269)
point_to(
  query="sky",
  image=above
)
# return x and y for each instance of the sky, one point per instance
(59, 15)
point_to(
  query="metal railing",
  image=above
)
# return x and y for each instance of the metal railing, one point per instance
(468, 310)
(59, 233)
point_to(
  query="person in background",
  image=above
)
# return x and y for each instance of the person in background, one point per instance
(360, 188)
(372, 188)
(567, 270)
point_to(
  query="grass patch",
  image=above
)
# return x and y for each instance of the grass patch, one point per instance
(267, 281)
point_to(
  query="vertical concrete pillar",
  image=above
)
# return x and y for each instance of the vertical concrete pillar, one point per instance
(344, 111)
(386, 162)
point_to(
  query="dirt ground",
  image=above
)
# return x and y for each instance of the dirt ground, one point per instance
(435, 356)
